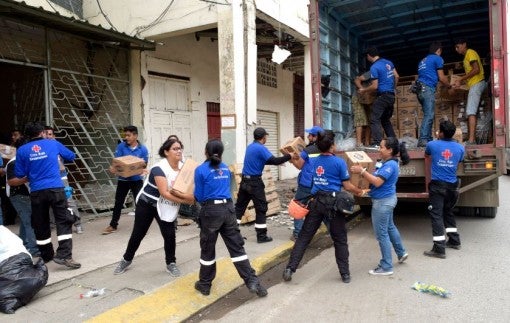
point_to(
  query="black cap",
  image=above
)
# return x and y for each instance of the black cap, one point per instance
(259, 133)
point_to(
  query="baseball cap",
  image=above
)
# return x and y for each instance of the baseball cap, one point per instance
(314, 131)
(259, 133)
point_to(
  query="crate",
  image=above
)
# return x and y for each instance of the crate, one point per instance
(273, 199)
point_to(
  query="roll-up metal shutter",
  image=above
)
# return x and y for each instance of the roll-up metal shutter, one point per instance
(269, 121)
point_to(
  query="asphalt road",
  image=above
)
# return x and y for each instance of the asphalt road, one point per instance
(476, 276)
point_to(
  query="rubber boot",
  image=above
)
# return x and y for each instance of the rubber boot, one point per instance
(262, 236)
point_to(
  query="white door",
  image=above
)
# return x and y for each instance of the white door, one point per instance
(269, 121)
(169, 113)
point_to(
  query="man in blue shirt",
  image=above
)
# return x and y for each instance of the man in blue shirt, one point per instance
(430, 72)
(384, 78)
(37, 164)
(252, 187)
(446, 154)
(131, 146)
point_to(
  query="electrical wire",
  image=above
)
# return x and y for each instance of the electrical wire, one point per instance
(138, 30)
(214, 2)
(105, 16)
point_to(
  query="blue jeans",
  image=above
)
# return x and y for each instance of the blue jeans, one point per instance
(427, 101)
(385, 230)
(23, 207)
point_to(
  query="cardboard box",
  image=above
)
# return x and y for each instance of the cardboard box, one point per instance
(127, 166)
(443, 108)
(7, 152)
(407, 123)
(185, 180)
(359, 158)
(407, 101)
(407, 112)
(295, 145)
(454, 78)
(409, 133)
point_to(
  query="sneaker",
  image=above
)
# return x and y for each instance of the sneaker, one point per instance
(435, 254)
(69, 263)
(346, 278)
(173, 270)
(453, 246)
(256, 288)
(403, 258)
(109, 229)
(204, 290)
(380, 272)
(79, 229)
(121, 267)
(287, 274)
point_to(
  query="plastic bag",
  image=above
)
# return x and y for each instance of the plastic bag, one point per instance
(20, 280)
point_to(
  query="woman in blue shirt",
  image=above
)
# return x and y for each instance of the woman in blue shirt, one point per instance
(217, 216)
(330, 174)
(384, 199)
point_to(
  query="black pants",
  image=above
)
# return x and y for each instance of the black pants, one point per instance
(253, 189)
(41, 202)
(382, 110)
(144, 214)
(220, 219)
(122, 191)
(442, 197)
(320, 208)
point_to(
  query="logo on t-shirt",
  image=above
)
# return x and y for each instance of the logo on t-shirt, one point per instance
(36, 148)
(446, 154)
(319, 171)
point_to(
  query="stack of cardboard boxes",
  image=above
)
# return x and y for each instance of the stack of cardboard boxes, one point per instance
(408, 114)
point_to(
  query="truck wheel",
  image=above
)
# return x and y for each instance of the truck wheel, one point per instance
(488, 212)
(467, 211)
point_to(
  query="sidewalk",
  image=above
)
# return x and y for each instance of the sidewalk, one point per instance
(173, 298)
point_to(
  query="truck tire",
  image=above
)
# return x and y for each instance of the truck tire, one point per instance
(488, 212)
(467, 211)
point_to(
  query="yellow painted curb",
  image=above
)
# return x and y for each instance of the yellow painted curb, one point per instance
(178, 300)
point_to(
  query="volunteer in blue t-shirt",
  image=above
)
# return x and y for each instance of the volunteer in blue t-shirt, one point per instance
(384, 199)
(384, 77)
(445, 154)
(37, 163)
(217, 216)
(252, 187)
(330, 174)
(130, 147)
(430, 72)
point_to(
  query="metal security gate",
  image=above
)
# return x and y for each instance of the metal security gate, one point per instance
(269, 121)
(84, 94)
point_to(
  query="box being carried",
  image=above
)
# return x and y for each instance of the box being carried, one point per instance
(295, 145)
(7, 152)
(359, 158)
(456, 77)
(127, 166)
(185, 180)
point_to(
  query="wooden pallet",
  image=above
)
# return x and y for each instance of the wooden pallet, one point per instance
(272, 197)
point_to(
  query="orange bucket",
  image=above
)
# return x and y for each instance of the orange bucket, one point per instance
(297, 210)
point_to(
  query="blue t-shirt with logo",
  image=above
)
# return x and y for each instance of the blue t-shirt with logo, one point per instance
(38, 160)
(255, 159)
(446, 155)
(212, 183)
(308, 154)
(382, 70)
(329, 171)
(123, 149)
(427, 70)
(389, 172)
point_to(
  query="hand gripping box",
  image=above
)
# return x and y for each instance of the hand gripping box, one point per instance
(7, 152)
(359, 158)
(185, 180)
(295, 145)
(127, 166)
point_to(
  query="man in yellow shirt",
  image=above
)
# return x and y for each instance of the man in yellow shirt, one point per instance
(475, 80)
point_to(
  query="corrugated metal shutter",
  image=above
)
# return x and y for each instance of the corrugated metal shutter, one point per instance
(269, 121)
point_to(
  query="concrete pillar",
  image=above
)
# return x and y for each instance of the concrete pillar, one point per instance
(308, 89)
(237, 54)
